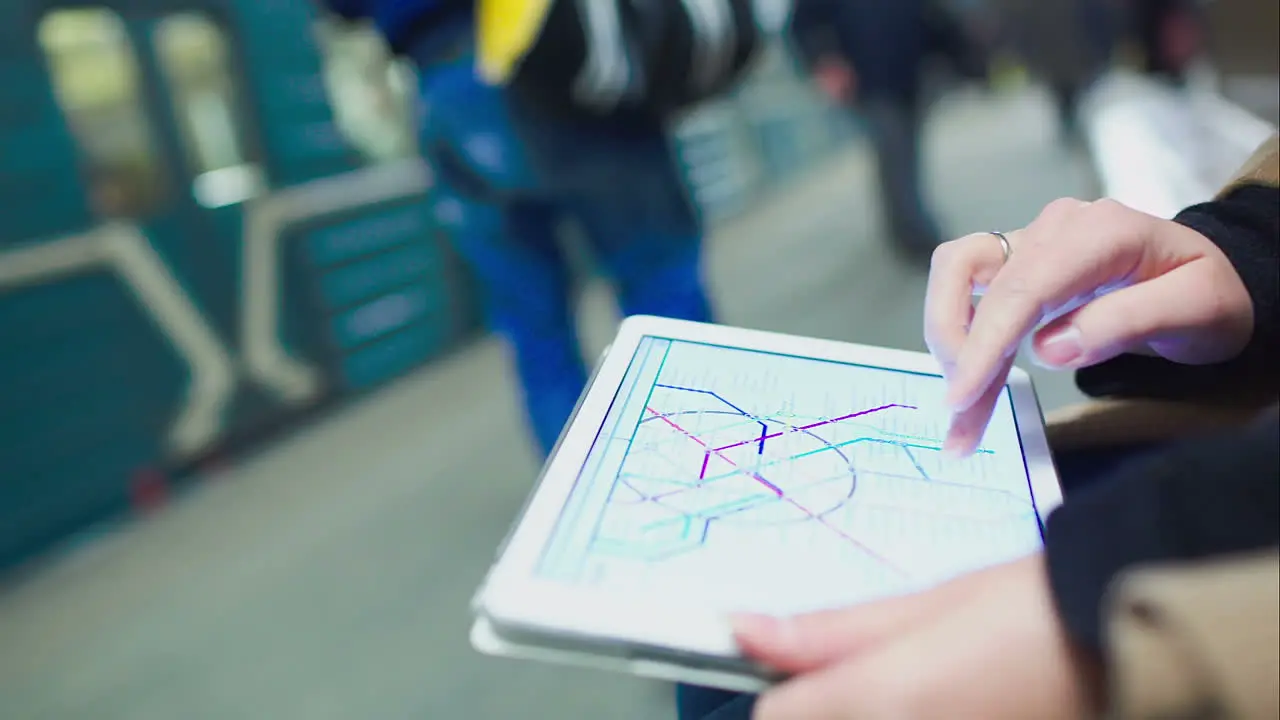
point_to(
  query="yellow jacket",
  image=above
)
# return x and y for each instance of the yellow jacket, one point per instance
(505, 31)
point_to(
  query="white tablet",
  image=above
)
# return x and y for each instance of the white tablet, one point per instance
(711, 469)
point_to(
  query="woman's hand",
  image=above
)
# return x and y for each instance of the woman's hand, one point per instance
(988, 645)
(1105, 278)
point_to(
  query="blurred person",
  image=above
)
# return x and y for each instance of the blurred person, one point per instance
(1155, 594)
(869, 55)
(1170, 36)
(509, 172)
(1066, 44)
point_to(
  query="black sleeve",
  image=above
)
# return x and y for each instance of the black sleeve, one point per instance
(1246, 226)
(1212, 496)
(813, 29)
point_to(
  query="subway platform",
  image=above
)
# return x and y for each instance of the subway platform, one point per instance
(328, 575)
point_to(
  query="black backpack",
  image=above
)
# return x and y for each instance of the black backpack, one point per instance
(653, 57)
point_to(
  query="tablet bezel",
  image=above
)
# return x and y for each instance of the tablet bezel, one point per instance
(514, 596)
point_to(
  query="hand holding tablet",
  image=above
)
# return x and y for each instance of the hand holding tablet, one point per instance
(712, 470)
(987, 645)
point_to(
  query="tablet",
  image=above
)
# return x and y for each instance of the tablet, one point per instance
(710, 469)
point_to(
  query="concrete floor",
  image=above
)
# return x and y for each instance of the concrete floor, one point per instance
(329, 576)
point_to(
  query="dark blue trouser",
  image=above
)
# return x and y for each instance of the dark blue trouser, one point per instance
(894, 127)
(1076, 469)
(508, 176)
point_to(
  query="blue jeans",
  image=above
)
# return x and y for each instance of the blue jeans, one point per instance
(508, 176)
(1076, 470)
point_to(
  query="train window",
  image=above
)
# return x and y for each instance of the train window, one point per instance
(193, 55)
(373, 93)
(97, 81)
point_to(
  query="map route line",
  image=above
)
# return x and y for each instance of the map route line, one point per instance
(840, 465)
(773, 488)
(949, 483)
(764, 429)
(703, 480)
(911, 456)
(847, 537)
(920, 442)
(778, 491)
(781, 418)
(750, 419)
(819, 424)
(903, 442)
(702, 475)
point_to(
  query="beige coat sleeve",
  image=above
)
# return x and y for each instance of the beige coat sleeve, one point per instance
(1200, 641)
(1262, 168)
(1197, 641)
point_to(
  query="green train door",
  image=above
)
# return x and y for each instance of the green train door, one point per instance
(124, 362)
(195, 160)
(174, 155)
(108, 329)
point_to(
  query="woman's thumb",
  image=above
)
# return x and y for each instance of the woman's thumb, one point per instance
(1126, 320)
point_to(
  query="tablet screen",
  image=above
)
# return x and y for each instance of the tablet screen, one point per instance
(775, 483)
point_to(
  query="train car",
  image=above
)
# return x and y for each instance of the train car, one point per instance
(195, 248)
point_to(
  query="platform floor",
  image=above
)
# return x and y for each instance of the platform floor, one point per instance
(328, 576)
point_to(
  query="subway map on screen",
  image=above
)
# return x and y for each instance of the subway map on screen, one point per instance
(775, 483)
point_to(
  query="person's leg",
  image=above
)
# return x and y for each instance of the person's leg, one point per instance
(895, 128)
(1066, 97)
(1099, 22)
(526, 291)
(537, 318)
(1167, 30)
(656, 264)
(645, 231)
(485, 199)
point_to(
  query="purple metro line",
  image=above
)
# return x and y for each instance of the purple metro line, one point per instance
(810, 514)
(764, 428)
(719, 452)
(777, 500)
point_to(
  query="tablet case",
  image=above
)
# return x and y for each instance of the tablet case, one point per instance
(485, 639)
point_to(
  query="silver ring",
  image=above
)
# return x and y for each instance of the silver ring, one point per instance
(1005, 247)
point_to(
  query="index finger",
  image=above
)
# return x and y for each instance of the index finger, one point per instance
(956, 269)
(1024, 287)
(969, 425)
(1008, 312)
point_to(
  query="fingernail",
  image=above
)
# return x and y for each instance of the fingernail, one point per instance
(749, 624)
(754, 625)
(1061, 349)
(954, 450)
(948, 370)
(957, 400)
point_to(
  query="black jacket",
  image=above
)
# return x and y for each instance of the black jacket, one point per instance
(1210, 496)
